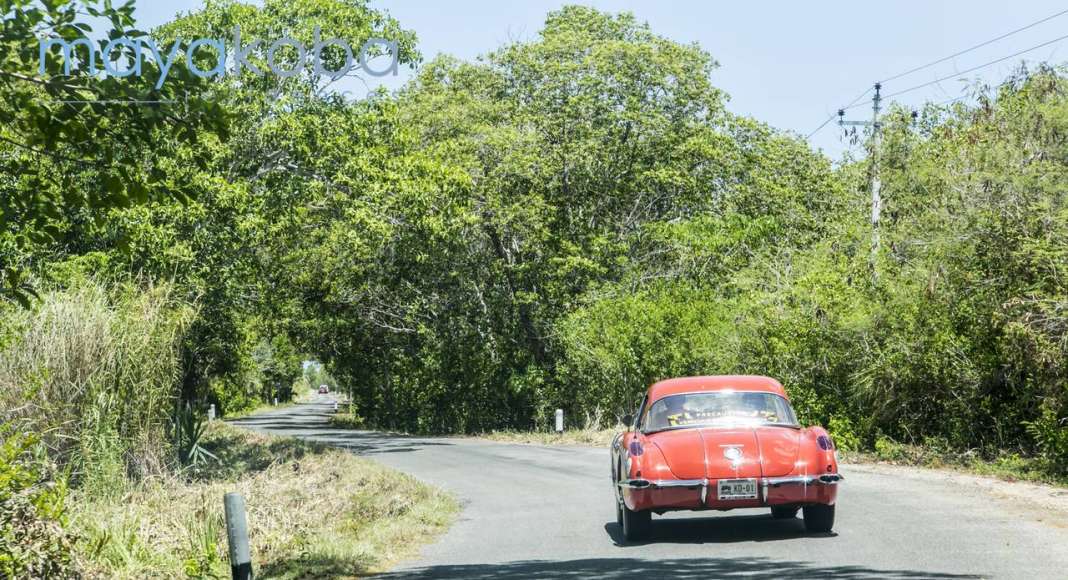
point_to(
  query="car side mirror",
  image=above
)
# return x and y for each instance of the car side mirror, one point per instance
(628, 421)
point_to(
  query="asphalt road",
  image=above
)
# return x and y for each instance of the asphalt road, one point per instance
(547, 512)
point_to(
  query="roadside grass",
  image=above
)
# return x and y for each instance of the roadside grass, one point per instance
(590, 437)
(1002, 465)
(301, 397)
(343, 420)
(313, 511)
(259, 408)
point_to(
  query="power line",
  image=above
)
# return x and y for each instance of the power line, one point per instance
(953, 100)
(980, 45)
(966, 71)
(828, 120)
(975, 68)
(854, 102)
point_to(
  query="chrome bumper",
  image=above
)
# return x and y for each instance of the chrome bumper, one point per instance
(703, 484)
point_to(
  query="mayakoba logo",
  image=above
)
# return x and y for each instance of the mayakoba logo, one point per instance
(138, 47)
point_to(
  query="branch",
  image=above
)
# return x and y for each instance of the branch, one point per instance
(48, 153)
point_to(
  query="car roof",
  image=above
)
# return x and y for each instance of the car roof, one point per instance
(667, 387)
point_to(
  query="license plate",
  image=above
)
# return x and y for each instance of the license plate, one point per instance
(737, 488)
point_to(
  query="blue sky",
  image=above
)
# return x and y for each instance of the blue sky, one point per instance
(790, 64)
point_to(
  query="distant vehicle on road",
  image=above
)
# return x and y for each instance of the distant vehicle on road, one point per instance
(720, 443)
(323, 389)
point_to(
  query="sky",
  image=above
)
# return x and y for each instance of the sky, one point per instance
(789, 64)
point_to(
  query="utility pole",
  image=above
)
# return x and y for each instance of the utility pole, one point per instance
(875, 183)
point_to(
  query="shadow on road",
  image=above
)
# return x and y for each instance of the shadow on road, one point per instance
(717, 530)
(312, 422)
(676, 569)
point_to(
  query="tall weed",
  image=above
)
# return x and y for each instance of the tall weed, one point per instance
(94, 371)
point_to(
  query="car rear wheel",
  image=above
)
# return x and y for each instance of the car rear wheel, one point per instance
(636, 525)
(784, 512)
(819, 518)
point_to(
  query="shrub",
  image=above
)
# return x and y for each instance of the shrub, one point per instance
(33, 543)
(1051, 434)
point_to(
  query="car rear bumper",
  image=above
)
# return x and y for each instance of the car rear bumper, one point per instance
(641, 494)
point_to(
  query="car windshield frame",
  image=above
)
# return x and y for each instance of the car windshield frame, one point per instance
(720, 421)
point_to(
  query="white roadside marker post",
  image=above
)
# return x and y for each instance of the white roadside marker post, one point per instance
(559, 420)
(211, 412)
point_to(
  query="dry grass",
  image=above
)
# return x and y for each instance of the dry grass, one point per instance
(313, 512)
(589, 435)
(93, 372)
(584, 437)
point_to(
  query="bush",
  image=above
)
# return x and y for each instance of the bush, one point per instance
(1051, 434)
(33, 543)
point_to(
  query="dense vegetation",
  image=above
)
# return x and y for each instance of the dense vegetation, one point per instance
(555, 225)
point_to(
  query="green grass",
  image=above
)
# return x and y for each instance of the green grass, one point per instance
(347, 421)
(313, 511)
(259, 408)
(1002, 465)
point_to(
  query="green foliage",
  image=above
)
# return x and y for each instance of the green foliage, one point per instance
(64, 149)
(33, 543)
(187, 432)
(204, 532)
(1050, 433)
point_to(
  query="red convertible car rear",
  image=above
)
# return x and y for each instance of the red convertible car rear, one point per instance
(720, 443)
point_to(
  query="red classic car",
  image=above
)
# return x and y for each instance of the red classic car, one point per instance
(719, 443)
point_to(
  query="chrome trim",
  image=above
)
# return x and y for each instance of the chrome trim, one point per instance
(764, 483)
(825, 479)
(661, 483)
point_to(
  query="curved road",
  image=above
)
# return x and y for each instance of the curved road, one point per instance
(547, 512)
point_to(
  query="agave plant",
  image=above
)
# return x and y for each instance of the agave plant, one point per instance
(188, 429)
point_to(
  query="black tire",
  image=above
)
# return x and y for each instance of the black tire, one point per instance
(619, 511)
(636, 525)
(819, 518)
(784, 512)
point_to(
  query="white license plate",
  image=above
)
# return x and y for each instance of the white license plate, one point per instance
(737, 488)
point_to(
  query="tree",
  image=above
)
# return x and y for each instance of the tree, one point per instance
(70, 142)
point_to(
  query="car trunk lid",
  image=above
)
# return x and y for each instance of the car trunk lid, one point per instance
(698, 453)
(728, 452)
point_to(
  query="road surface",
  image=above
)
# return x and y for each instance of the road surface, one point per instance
(547, 512)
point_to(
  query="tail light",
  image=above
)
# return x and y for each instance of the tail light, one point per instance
(636, 448)
(824, 442)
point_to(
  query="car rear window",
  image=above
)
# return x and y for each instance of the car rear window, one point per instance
(717, 408)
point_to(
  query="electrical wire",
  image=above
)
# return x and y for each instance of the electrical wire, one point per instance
(980, 45)
(975, 68)
(828, 120)
(853, 104)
